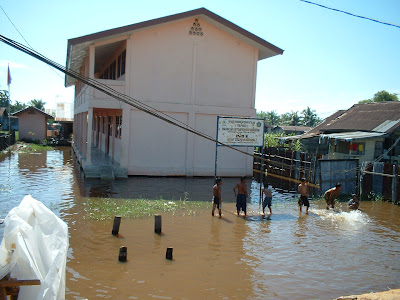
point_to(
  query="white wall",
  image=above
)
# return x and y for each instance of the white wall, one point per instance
(192, 78)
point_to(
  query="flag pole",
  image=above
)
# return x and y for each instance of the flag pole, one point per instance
(9, 99)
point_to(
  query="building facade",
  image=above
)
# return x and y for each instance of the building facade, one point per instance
(192, 66)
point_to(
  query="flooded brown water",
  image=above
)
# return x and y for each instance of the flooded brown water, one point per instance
(292, 256)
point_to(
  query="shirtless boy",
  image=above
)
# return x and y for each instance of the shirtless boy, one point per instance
(217, 198)
(267, 195)
(331, 194)
(303, 191)
(241, 195)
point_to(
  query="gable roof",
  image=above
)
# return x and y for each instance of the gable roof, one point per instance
(30, 108)
(370, 117)
(3, 110)
(77, 47)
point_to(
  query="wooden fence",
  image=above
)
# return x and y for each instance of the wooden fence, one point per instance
(380, 180)
(285, 168)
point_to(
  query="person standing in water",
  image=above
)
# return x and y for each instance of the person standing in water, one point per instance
(241, 195)
(331, 194)
(303, 191)
(217, 198)
(267, 195)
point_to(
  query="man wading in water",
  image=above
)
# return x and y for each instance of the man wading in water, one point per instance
(331, 194)
(217, 198)
(303, 191)
(241, 195)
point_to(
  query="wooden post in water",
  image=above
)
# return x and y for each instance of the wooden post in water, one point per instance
(394, 184)
(168, 255)
(117, 222)
(157, 224)
(123, 254)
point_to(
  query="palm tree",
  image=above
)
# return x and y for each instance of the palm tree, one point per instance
(295, 119)
(17, 106)
(272, 118)
(38, 103)
(309, 117)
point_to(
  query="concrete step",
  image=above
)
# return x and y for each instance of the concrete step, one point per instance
(120, 173)
(107, 173)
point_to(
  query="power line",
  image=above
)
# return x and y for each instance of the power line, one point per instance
(115, 94)
(351, 14)
(24, 37)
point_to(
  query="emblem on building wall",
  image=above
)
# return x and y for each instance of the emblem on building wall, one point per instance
(196, 29)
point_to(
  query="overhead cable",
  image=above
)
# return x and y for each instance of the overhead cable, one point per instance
(351, 14)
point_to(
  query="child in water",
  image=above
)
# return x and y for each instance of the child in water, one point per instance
(217, 198)
(354, 203)
(267, 195)
(240, 191)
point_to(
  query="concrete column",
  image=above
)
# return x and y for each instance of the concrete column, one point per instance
(126, 135)
(89, 136)
(126, 109)
(190, 144)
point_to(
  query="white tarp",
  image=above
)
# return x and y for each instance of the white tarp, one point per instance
(235, 131)
(38, 240)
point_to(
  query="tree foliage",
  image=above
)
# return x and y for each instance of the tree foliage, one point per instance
(381, 96)
(4, 98)
(307, 117)
(17, 106)
(37, 103)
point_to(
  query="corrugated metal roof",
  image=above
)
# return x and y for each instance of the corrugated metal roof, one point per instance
(355, 135)
(379, 117)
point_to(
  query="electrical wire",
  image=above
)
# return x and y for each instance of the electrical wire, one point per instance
(351, 14)
(115, 94)
(12, 23)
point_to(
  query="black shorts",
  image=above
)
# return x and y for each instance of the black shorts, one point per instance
(303, 201)
(216, 201)
(241, 202)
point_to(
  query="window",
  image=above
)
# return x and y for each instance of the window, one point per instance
(104, 124)
(116, 69)
(123, 61)
(118, 126)
(357, 148)
(119, 66)
(342, 147)
(113, 70)
(110, 125)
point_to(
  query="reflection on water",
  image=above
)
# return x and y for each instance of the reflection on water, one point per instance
(292, 256)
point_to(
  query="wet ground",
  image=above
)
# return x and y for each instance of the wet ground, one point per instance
(322, 255)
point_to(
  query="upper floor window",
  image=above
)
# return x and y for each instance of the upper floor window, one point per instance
(116, 68)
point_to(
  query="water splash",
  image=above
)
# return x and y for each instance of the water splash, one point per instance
(354, 217)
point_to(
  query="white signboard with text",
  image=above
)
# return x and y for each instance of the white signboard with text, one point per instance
(240, 131)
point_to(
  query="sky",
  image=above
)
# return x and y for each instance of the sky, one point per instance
(330, 62)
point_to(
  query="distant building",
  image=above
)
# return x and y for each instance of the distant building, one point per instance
(364, 132)
(287, 129)
(5, 120)
(32, 124)
(192, 66)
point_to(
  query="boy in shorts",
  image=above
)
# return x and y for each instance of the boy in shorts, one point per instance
(217, 198)
(303, 191)
(331, 194)
(267, 196)
(241, 195)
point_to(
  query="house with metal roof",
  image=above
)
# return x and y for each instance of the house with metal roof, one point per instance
(366, 132)
(32, 124)
(191, 66)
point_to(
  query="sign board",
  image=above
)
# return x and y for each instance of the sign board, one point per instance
(240, 131)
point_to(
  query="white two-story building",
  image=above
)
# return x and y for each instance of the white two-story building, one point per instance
(193, 66)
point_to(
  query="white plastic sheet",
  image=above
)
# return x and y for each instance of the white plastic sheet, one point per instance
(38, 241)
